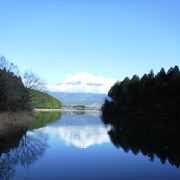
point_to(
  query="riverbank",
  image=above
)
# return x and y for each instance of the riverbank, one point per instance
(12, 123)
(15, 116)
(71, 108)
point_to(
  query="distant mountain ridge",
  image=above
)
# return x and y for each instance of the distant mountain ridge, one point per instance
(85, 99)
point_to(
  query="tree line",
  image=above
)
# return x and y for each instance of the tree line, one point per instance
(144, 114)
(16, 92)
(152, 93)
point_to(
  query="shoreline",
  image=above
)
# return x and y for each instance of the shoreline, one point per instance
(69, 108)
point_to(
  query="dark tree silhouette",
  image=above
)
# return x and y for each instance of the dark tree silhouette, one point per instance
(145, 115)
(16, 93)
(152, 93)
(13, 93)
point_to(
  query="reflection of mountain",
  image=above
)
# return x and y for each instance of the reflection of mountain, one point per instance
(81, 131)
(81, 136)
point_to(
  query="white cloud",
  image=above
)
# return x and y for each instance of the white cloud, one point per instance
(80, 136)
(83, 82)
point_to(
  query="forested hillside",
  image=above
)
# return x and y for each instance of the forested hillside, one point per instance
(22, 94)
(44, 100)
(13, 93)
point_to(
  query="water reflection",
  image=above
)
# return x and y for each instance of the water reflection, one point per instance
(45, 118)
(10, 137)
(81, 131)
(18, 146)
(52, 148)
(31, 148)
(147, 135)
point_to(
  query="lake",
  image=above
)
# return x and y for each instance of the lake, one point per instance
(75, 145)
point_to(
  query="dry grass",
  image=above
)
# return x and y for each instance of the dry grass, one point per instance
(12, 128)
(9, 121)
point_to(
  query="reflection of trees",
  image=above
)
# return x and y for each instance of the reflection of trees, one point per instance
(145, 114)
(44, 118)
(31, 147)
(148, 135)
(18, 146)
(6, 170)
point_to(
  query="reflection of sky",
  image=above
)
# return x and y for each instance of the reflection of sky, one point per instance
(81, 131)
(102, 161)
(80, 136)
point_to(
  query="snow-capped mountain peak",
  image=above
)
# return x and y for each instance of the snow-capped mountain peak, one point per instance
(83, 82)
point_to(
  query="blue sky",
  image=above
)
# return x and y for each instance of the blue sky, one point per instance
(109, 38)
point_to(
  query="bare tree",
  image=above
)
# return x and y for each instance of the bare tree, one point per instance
(35, 85)
(9, 67)
(14, 69)
(33, 81)
(3, 62)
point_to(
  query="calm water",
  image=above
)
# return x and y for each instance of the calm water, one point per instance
(74, 146)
